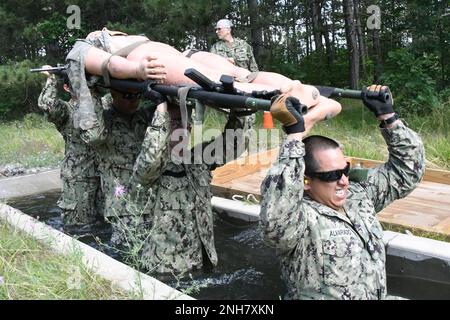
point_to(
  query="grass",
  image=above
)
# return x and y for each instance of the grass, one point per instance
(32, 142)
(30, 271)
(416, 232)
(357, 129)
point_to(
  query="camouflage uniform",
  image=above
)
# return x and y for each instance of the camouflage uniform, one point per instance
(81, 199)
(242, 54)
(119, 140)
(325, 254)
(239, 50)
(180, 208)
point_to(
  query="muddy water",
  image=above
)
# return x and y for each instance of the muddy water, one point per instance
(247, 269)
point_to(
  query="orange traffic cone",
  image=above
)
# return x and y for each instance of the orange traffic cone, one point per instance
(268, 121)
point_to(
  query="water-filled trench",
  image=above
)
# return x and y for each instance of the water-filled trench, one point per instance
(247, 268)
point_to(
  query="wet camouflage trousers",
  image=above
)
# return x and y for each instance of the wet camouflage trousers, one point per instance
(81, 202)
(137, 238)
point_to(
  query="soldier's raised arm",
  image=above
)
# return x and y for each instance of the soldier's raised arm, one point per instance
(154, 154)
(406, 165)
(282, 189)
(56, 110)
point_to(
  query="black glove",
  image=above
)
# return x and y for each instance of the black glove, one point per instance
(288, 110)
(379, 100)
(155, 96)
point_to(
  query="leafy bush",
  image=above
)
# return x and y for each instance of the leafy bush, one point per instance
(411, 79)
(20, 89)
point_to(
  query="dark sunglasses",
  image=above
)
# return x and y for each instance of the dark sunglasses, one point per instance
(331, 176)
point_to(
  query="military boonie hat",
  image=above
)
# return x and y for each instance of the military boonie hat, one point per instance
(224, 23)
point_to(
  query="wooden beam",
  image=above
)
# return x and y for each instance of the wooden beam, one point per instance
(432, 175)
(245, 166)
(426, 208)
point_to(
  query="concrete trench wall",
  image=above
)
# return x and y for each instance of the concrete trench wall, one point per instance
(410, 260)
(119, 274)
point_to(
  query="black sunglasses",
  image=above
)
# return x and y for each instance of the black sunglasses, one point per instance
(331, 176)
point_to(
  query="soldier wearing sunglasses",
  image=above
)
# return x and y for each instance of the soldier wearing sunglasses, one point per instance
(324, 225)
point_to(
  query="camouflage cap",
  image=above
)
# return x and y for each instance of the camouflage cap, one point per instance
(224, 23)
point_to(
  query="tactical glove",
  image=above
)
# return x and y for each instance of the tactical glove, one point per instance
(378, 99)
(288, 110)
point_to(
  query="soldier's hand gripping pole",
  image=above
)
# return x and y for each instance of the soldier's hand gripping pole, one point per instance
(56, 70)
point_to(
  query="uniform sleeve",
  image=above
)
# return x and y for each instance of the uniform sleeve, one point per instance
(154, 153)
(214, 49)
(56, 110)
(226, 147)
(96, 132)
(282, 217)
(252, 65)
(405, 168)
(84, 115)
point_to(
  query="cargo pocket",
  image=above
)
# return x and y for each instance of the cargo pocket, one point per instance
(341, 261)
(173, 220)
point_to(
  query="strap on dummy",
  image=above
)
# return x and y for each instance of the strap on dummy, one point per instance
(124, 52)
(182, 96)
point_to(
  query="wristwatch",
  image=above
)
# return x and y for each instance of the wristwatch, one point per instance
(388, 121)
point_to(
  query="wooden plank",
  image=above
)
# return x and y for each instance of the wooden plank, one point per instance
(440, 176)
(433, 175)
(256, 162)
(244, 166)
(426, 208)
(443, 226)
